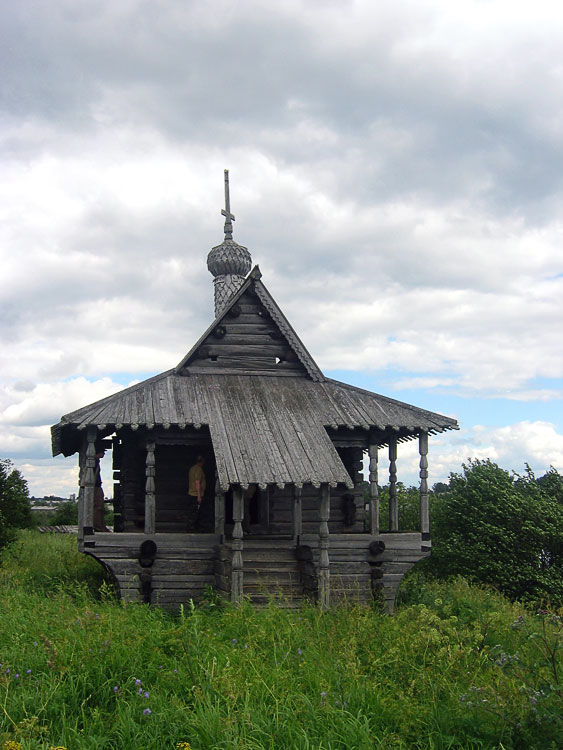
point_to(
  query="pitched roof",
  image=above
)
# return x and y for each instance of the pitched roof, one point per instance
(265, 401)
(255, 303)
(263, 429)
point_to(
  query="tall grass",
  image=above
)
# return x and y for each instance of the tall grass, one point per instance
(462, 668)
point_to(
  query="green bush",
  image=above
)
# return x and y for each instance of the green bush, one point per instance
(501, 530)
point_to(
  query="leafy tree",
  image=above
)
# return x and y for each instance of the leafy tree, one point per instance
(502, 530)
(408, 506)
(65, 515)
(15, 511)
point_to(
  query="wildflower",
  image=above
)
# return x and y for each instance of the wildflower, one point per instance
(145, 694)
(115, 688)
(175, 671)
(137, 682)
(183, 746)
(17, 676)
(28, 671)
(8, 670)
(300, 652)
(147, 712)
(11, 745)
(234, 640)
(140, 691)
(246, 645)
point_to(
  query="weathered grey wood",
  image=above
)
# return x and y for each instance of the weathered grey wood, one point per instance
(90, 477)
(373, 517)
(424, 511)
(237, 581)
(82, 480)
(324, 563)
(267, 508)
(150, 501)
(297, 514)
(219, 510)
(393, 505)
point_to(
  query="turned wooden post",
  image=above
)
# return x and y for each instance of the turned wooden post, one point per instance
(297, 514)
(89, 479)
(219, 510)
(324, 563)
(81, 481)
(424, 512)
(373, 515)
(393, 506)
(150, 500)
(237, 583)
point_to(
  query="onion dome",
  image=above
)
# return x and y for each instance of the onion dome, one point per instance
(229, 258)
(228, 262)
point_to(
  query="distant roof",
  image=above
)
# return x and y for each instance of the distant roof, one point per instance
(267, 416)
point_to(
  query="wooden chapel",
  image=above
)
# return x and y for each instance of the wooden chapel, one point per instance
(283, 514)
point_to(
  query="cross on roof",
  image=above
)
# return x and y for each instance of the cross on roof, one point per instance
(226, 212)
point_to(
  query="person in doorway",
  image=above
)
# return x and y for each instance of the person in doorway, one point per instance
(196, 491)
(99, 522)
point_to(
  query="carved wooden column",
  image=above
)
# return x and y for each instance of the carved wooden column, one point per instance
(89, 479)
(150, 499)
(237, 585)
(393, 506)
(424, 512)
(297, 514)
(324, 564)
(219, 509)
(81, 481)
(373, 515)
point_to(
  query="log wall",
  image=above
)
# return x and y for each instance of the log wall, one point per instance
(183, 566)
(281, 510)
(361, 566)
(247, 341)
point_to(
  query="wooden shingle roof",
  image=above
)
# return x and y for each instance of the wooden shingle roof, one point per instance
(264, 429)
(267, 404)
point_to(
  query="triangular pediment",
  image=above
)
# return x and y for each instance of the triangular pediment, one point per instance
(251, 336)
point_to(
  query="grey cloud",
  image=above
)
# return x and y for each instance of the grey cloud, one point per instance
(218, 76)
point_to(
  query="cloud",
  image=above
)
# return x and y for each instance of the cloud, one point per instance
(395, 170)
(511, 447)
(26, 416)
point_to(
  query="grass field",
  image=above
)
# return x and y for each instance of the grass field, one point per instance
(461, 668)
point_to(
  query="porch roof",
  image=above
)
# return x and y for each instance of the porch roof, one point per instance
(264, 429)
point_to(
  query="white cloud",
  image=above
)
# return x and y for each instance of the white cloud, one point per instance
(396, 171)
(511, 447)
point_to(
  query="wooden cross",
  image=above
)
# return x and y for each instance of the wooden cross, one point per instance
(226, 212)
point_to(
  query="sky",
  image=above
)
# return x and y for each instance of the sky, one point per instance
(396, 171)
